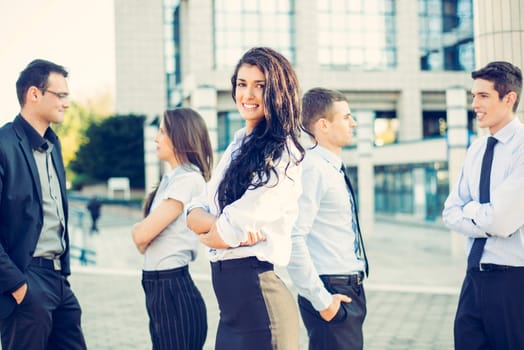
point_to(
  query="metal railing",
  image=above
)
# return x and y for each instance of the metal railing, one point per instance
(79, 237)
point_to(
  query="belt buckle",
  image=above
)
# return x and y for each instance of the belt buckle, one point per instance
(56, 264)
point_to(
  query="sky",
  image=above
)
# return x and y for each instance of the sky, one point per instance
(77, 34)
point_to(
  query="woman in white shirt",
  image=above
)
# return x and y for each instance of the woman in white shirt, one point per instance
(176, 310)
(246, 214)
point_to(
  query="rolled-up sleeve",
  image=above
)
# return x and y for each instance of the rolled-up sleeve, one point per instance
(453, 214)
(503, 215)
(270, 209)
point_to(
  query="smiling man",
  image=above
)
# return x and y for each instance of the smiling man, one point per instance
(38, 309)
(486, 206)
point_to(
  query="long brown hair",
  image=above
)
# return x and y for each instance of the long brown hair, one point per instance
(188, 133)
(254, 161)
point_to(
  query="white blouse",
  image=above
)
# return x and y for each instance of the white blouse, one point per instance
(271, 209)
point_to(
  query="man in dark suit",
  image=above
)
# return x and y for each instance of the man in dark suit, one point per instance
(38, 309)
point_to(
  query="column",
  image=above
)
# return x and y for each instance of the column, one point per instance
(410, 115)
(457, 116)
(366, 176)
(204, 100)
(419, 193)
(499, 33)
(151, 162)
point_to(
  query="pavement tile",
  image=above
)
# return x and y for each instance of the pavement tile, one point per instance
(412, 291)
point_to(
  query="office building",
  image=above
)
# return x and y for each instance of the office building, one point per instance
(404, 66)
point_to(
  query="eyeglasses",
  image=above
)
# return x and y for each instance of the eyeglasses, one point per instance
(60, 95)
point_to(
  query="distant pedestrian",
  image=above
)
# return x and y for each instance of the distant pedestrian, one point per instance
(328, 261)
(249, 206)
(38, 309)
(176, 309)
(487, 206)
(93, 206)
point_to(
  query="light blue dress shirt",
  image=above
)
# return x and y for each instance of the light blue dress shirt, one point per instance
(502, 219)
(323, 237)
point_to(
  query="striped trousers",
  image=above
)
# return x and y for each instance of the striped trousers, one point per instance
(177, 313)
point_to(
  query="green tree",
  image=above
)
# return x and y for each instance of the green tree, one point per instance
(114, 148)
(77, 119)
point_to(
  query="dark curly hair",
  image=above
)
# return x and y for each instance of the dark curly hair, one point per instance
(255, 160)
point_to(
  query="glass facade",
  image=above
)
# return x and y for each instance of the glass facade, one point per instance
(395, 184)
(435, 123)
(357, 34)
(240, 25)
(446, 35)
(227, 124)
(394, 189)
(172, 53)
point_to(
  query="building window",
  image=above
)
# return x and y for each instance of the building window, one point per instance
(172, 53)
(228, 123)
(437, 189)
(446, 35)
(357, 34)
(394, 189)
(434, 124)
(241, 25)
(386, 127)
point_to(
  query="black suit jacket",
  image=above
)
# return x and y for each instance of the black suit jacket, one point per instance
(21, 213)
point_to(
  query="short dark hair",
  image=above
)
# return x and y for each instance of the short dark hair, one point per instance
(505, 76)
(317, 103)
(36, 74)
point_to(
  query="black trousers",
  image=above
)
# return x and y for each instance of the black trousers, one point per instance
(176, 309)
(257, 311)
(344, 331)
(48, 317)
(490, 313)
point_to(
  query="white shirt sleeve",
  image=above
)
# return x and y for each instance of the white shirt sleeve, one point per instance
(262, 209)
(503, 215)
(453, 213)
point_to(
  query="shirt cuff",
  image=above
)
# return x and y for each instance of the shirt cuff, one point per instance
(226, 233)
(194, 206)
(323, 301)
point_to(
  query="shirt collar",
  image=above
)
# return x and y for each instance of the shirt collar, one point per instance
(507, 132)
(329, 156)
(180, 169)
(36, 141)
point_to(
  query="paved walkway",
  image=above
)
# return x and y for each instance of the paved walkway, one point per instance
(412, 292)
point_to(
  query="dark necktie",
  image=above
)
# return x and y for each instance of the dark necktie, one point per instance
(477, 248)
(361, 252)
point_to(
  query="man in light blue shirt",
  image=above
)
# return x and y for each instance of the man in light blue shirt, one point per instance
(487, 206)
(328, 261)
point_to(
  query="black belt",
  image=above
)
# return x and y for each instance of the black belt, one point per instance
(164, 274)
(495, 267)
(356, 278)
(51, 264)
(250, 261)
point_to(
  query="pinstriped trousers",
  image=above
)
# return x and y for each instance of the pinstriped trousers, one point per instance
(176, 309)
(257, 311)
